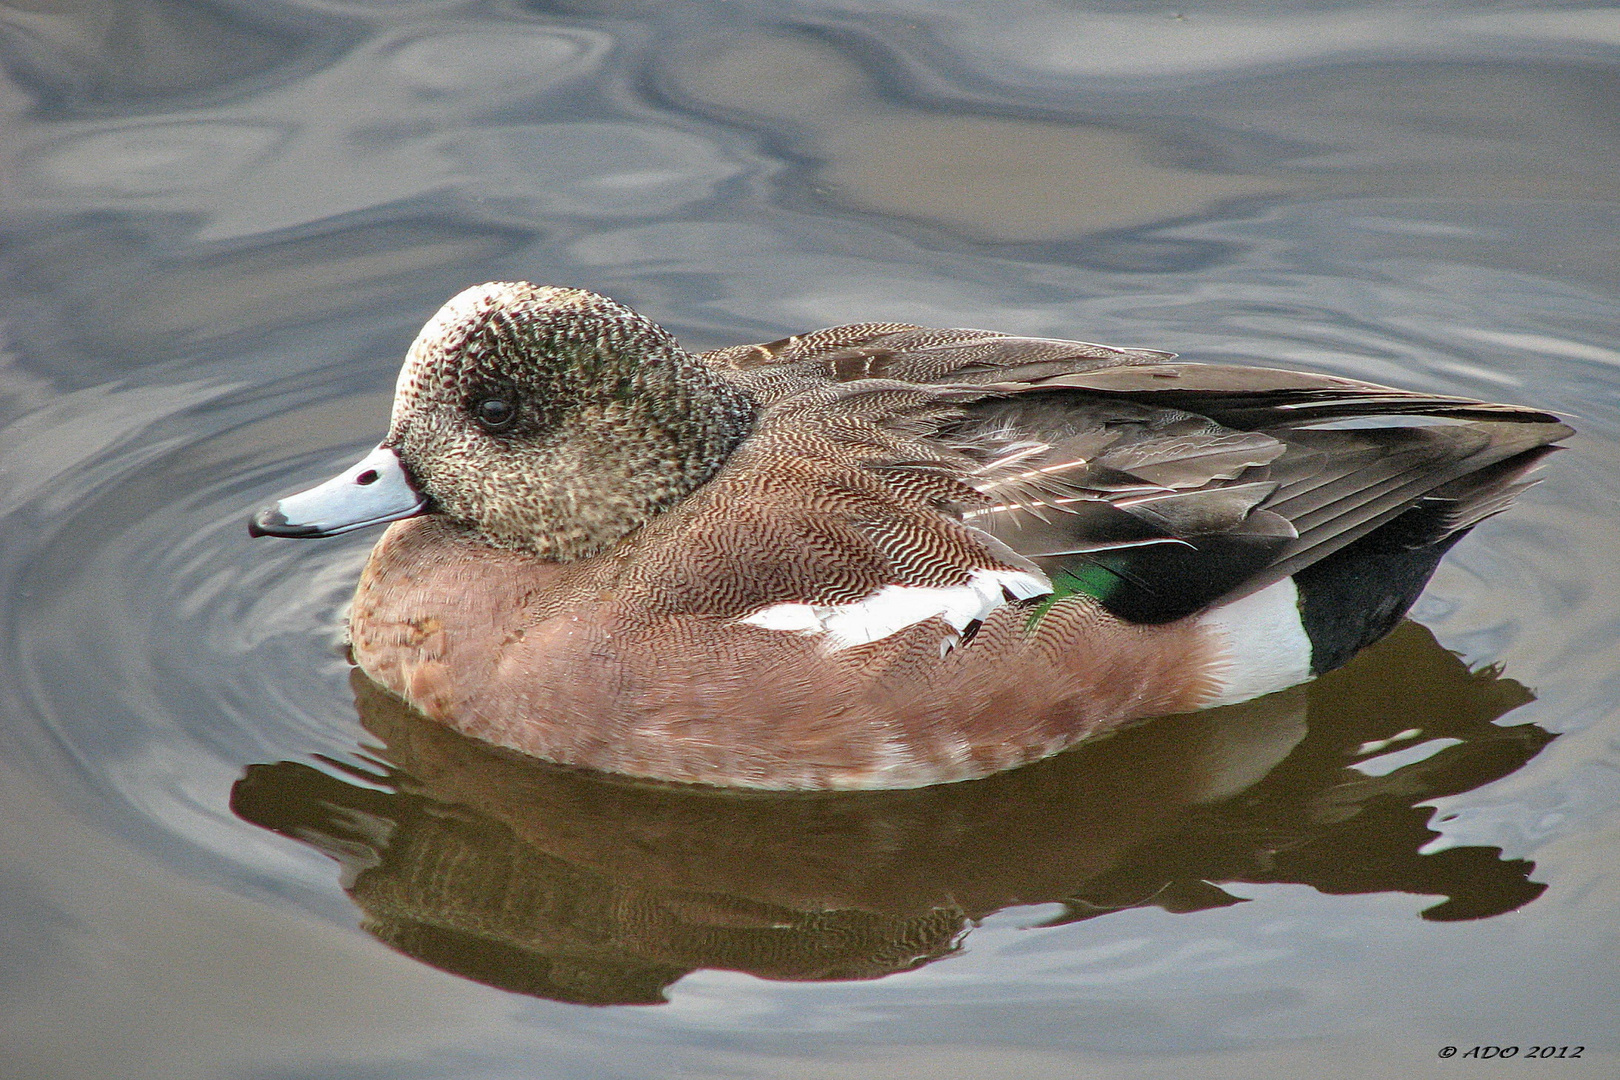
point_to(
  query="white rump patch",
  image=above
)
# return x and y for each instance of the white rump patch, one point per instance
(895, 607)
(1263, 642)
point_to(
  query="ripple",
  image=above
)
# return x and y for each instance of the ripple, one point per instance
(589, 169)
(1162, 44)
(149, 642)
(465, 62)
(142, 160)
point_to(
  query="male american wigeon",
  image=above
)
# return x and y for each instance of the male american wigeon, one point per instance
(877, 555)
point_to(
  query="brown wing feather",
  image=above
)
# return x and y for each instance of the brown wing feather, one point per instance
(1190, 483)
(913, 354)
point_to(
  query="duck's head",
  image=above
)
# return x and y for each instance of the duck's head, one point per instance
(548, 420)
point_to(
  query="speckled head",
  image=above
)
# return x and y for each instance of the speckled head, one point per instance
(556, 421)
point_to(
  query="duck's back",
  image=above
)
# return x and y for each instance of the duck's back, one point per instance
(1163, 489)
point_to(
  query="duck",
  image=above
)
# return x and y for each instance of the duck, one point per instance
(879, 555)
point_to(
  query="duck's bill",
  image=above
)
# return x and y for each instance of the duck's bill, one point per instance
(373, 490)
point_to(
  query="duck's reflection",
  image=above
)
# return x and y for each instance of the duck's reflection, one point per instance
(588, 888)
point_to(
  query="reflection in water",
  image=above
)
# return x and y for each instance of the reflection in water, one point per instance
(602, 890)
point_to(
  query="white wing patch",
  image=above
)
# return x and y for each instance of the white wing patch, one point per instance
(1263, 643)
(895, 607)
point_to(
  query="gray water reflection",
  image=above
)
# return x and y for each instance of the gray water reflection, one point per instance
(222, 222)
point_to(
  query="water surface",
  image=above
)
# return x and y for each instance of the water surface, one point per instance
(223, 222)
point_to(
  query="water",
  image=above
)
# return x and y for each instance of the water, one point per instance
(223, 222)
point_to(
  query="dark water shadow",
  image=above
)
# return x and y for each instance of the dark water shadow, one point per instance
(593, 889)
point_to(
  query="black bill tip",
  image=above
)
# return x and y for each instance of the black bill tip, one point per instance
(269, 521)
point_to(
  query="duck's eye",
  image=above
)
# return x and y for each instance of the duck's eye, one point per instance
(494, 414)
